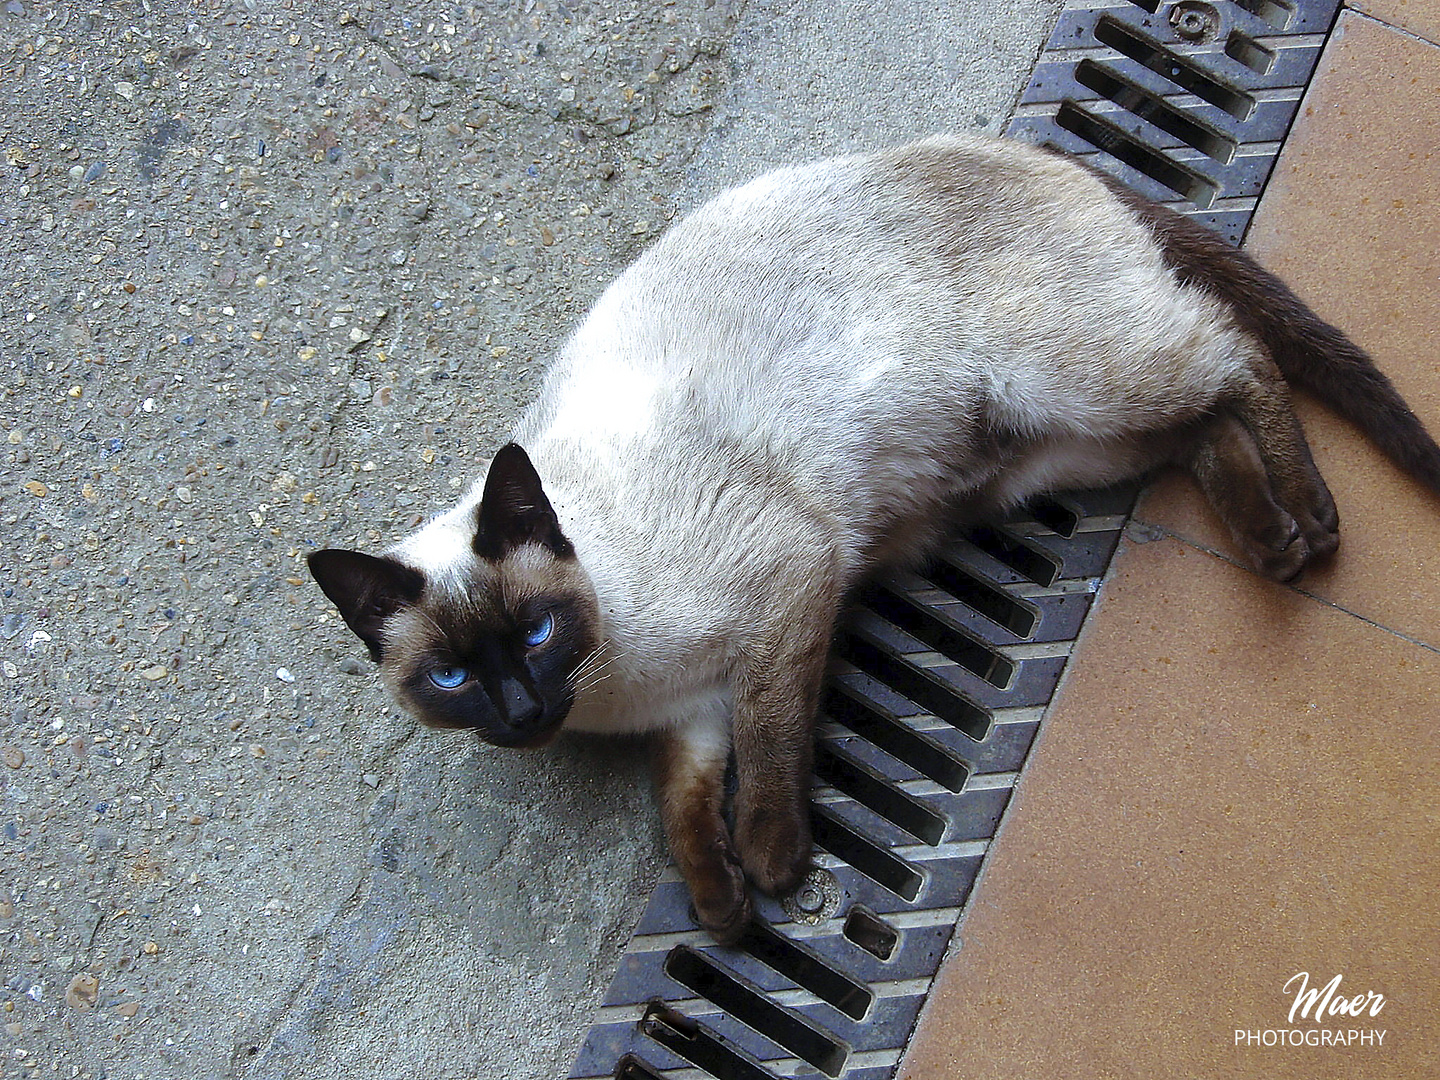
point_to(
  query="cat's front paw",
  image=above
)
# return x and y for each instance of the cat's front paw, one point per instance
(774, 848)
(721, 901)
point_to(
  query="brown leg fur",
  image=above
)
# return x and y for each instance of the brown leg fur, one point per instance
(690, 776)
(1255, 467)
(776, 687)
(1270, 417)
(775, 694)
(776, 699)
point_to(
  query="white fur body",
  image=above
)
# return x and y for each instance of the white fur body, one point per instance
(814, 372)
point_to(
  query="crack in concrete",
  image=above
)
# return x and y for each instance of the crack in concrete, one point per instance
(392, 745)
(261, 1046)
(557, 113)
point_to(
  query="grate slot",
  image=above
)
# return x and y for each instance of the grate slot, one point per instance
(1119, 144)
(631, 1067)
(1151, 6)
(872, 933)
(929, 759)
(780, 1025)
(807, 970)
(1055, 516)
(1276, 14)
(983, 597)
(1179, 70)
(865, 787)
(695, 1043)
(1248, 51)
(876, 862)
(924, 625)
(1029, 562)
(1154, 110)
(916, 684)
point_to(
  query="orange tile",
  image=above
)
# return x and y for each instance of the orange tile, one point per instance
(1420, 17)
(1236, 784)
(1351, 219)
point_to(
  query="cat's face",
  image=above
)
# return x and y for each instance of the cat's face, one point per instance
(494, 638)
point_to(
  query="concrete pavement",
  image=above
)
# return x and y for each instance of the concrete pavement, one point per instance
(279, 275)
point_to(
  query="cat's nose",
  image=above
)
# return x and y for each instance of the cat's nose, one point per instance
(522, 709)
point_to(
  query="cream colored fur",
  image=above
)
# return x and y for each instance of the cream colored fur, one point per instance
(814, 372)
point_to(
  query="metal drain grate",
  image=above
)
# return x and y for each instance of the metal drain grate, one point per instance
(939, 680)
(1187, 103)
(938, 685)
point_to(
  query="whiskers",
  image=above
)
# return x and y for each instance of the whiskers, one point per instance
(592, 670)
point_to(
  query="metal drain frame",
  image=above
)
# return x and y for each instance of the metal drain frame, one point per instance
(939, 680)
(961, 771)
(1187, 103)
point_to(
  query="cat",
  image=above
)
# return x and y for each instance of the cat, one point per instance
(814, 376)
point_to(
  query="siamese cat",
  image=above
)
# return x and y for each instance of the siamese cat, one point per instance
(812, 377)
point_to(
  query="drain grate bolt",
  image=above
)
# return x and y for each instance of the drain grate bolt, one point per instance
(1195, 21)
(815, 899)
(809, 898)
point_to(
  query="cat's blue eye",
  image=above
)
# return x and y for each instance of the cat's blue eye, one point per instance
(448, 678)
(538, 632)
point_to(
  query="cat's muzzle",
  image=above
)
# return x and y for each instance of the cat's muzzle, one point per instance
(523, 719)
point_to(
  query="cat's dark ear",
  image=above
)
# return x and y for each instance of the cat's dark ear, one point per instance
(514, 509)
(366, 589)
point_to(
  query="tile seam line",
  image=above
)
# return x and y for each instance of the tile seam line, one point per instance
(1403, 31)
(1225, 557)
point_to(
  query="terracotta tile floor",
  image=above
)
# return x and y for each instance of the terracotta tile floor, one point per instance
(1240, 781)
(1418, 17)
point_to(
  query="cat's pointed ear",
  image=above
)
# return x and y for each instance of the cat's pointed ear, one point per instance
(514, 509)
(366, 589)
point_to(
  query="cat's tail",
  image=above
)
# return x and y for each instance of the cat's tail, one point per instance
(1310, 352)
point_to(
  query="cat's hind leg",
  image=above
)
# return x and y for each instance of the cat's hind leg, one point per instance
(1254, 465)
